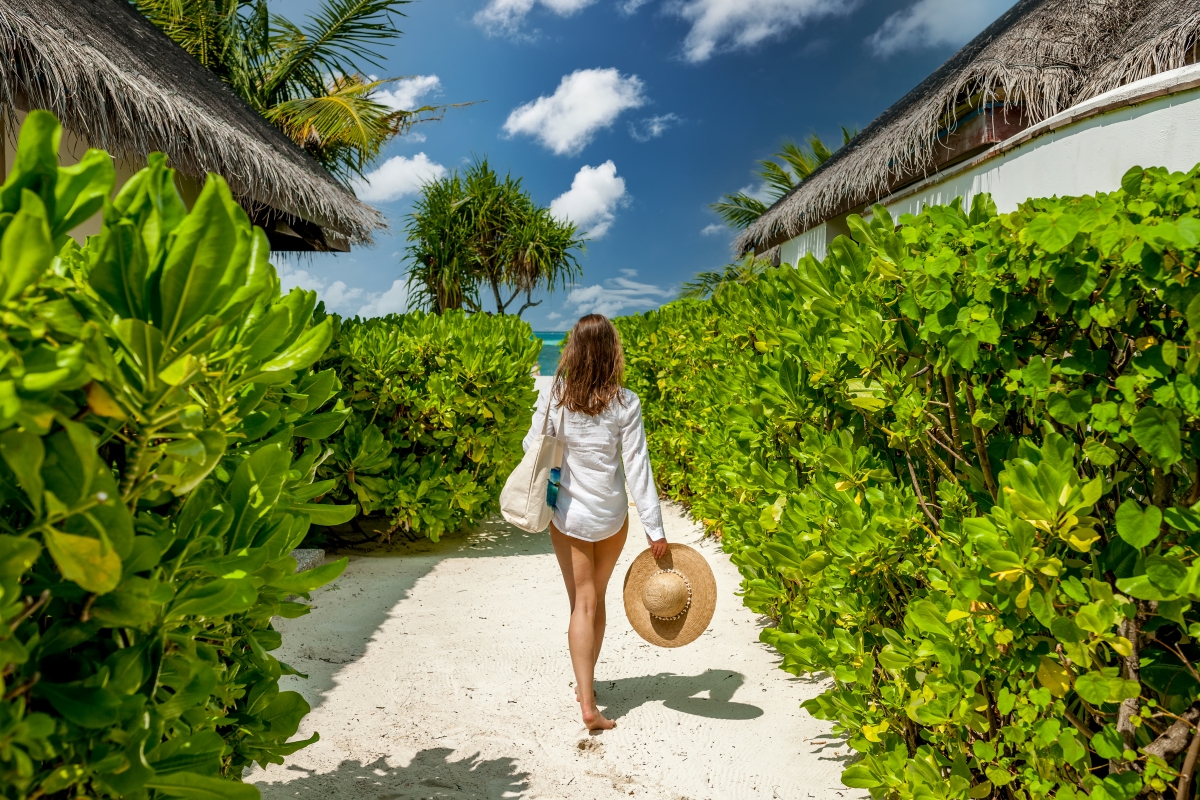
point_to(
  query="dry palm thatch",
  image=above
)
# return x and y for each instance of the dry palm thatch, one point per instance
(119, 83)
(1041, 57)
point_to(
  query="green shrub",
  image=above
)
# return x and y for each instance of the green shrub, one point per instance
(958, 462)
(439, 405)
(152, 386)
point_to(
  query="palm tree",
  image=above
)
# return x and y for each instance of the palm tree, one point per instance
(779, 174)
(308, 80)
(709, 284)
(474, 229)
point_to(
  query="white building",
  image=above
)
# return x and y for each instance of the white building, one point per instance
(1057, 97)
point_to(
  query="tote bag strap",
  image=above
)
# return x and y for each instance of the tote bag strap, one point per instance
(560, 439)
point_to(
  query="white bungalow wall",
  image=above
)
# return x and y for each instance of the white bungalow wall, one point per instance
(1069, 158)
(71, 149)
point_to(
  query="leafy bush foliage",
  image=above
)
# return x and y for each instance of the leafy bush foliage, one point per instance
(439, 406)
(958, 462)
(153, 397)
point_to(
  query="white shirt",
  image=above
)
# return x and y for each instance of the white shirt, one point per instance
(592, 504)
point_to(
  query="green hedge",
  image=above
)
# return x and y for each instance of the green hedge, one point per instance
(439, 406)
(153, 385)
(958, 463)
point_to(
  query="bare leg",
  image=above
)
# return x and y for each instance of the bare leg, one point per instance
(582, 563)
(606, 553)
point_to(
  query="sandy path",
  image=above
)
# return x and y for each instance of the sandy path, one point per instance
(441, 671)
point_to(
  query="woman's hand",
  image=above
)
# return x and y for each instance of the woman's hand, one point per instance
(658, 547)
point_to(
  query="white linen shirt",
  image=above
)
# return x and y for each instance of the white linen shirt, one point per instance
(592, 504)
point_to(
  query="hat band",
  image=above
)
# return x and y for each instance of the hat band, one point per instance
(686, 605)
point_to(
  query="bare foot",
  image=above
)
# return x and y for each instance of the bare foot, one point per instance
(577, 693)
(596, 721)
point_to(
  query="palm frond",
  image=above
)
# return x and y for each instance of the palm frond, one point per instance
(710, 284)
(739, 210)
(339, 38)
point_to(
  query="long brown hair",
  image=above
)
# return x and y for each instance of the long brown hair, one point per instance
(592, 368)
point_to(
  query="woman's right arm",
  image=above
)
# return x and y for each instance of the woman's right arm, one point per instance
(539, 419)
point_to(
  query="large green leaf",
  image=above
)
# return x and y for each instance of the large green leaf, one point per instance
(26, 247)
(1053, 231)
(307, 349)
(81, 190)
(85, 706)
(307, 581)
(198, 261)
(1157, 431)
(190, 786)
(1137, 527)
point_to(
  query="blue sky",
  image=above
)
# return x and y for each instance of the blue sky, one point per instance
(629, 117)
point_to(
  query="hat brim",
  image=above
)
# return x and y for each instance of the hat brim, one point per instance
(694, 621)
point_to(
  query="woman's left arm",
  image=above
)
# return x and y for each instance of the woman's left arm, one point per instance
(639, 476)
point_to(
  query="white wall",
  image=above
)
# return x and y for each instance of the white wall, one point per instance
(1085, 157)
(1064, 157)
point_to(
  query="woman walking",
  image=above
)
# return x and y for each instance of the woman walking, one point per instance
(602, 426)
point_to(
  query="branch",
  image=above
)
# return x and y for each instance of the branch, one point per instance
(528, 304)
(917, 487)
(985, 463)
(1172, 743)
(1189, 766)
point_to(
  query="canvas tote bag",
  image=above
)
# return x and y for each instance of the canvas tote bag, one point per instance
(532, 488)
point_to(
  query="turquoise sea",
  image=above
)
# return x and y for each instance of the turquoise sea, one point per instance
(548, 358)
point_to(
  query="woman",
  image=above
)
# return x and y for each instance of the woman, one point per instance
(602, 425)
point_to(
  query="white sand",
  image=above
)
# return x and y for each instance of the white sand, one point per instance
(441, 671)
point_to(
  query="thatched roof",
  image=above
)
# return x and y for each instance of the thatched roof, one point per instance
(119, 83)
(1041, 55)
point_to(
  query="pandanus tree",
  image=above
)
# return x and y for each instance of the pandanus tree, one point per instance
(474, 230)
(308, 80)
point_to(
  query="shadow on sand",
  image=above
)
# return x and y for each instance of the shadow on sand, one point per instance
(338, 633)
(430, 775)
(679, 693)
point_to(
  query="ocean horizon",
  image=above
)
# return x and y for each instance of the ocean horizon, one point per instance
(551, 349)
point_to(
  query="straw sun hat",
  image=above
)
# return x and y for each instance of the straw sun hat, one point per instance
(670, 602)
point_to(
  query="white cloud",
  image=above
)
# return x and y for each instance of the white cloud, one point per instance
(338, 297)
(722, 25)
(652, 127)
(593, 199)
(585, 101)
(761, 192)
(393, 301)
(346, 300)
(929, 23)
(553, 315)
(713, 229)
(414, 136)
(631, 6)
(506, 16)
(397, 177)
(406, 93)
(616, 295)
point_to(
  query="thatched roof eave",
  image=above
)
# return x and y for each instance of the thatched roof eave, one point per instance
(1039, 58)
(119, 83)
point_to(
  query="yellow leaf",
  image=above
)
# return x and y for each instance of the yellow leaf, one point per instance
(1023, 597)
(1054, 676)
(1081, 538)
(843, 486)
(955, 615)
(180, 370)
(873, 732)
(101, 402)
(91, 563)
(1120, 645)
